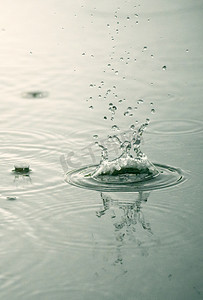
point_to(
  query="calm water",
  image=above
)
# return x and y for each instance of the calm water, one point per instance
(62, 63)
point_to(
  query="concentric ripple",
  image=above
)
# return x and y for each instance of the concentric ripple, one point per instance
(169, 176)
(175, 127)
(39, 151)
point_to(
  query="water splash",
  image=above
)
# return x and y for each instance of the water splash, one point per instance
(132, 165)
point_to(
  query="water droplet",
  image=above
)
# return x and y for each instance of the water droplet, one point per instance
(105, 118)
(115, 127)
(91, 85)
(126, 113)
(121, 58)
(91, 107)
(95, 136)
(152, 110)
(83, 53)
(132, 127)
(116, 72)
(140, 101)
(164, 68)
(120, 101)
(128, 18)
(145, 48)
(187, 50)
(129, 108)
(108, 65)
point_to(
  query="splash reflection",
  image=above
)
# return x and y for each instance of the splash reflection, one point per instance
(130, 225)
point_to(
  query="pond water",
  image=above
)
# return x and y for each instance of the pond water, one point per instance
(62, 63)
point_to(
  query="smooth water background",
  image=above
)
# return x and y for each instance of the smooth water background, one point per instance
(59, 241)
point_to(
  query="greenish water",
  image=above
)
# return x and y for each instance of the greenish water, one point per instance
(62, 63)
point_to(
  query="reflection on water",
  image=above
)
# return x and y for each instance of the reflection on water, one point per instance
(130, 226)
(132, 214)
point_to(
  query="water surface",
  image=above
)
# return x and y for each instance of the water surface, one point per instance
(62, 63)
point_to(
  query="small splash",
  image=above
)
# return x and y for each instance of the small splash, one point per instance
(11, 198)
(35, 94)
(21, 168)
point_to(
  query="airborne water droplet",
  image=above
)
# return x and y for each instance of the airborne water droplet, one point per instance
(115, 127)
(152, 110)
(164, 68)
(140, 101)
